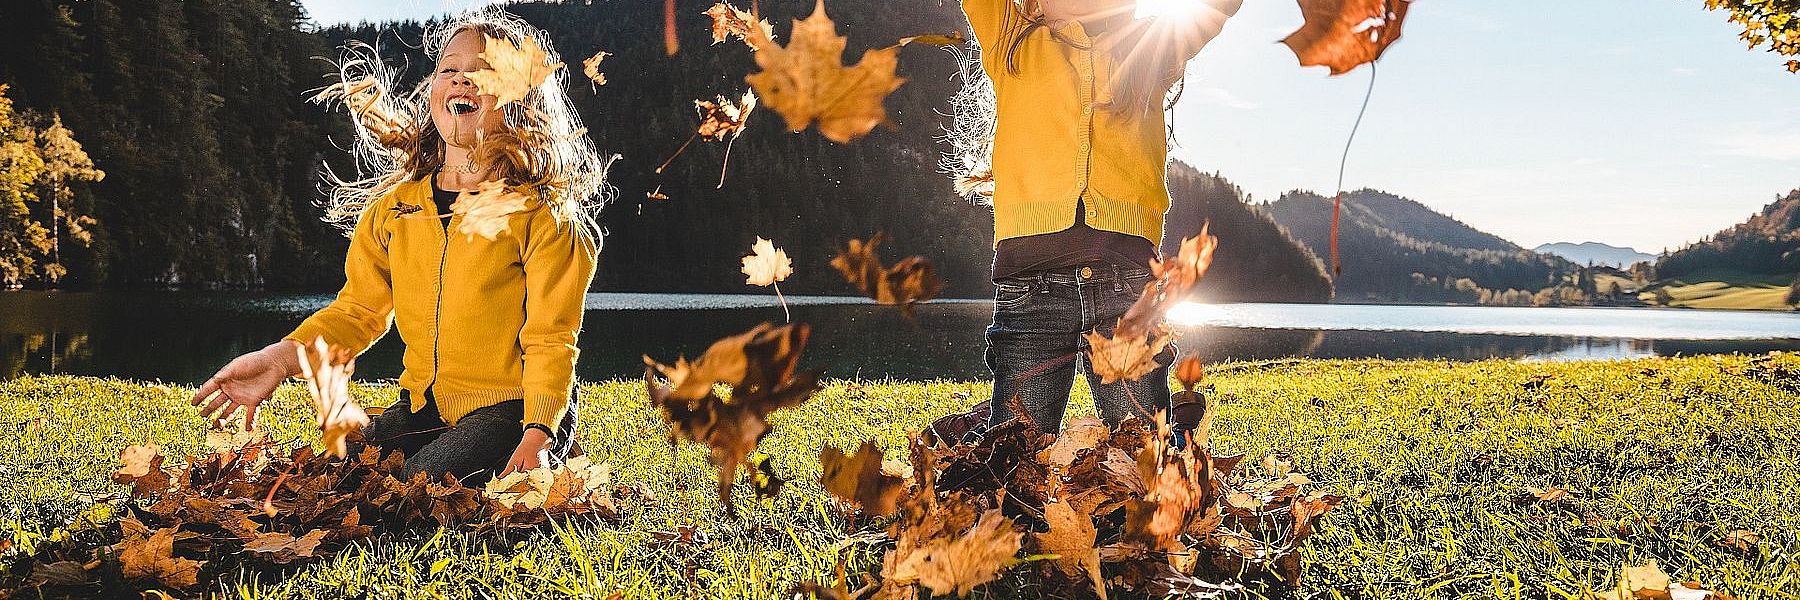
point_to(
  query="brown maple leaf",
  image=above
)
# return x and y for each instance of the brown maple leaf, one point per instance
(153, 558)
(371, 107)
(1071, 537)
(514, 70)
(760, 368)
(766, 264)
(720, 120)
(281, 548)
(730, 21)
(959, 564)
(860, 478)
(807, 84)
(908, 282)
(1344, 34)
(141, 466)
(327, 373)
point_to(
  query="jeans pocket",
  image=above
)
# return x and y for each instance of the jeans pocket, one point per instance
(1011, 295)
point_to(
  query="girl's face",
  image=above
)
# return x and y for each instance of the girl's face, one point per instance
(457, 109)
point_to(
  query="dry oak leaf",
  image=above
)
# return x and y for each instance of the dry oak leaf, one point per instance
(731, 21)
(760, 367)
(861, 478)
(1071, 538)
(805, 82)
(766, 264)
(591, 67)
(1743, 540)
(487, 212)
(327, 373)
(153, 558)
(957, 565)
(514, 70)
(1344, 34)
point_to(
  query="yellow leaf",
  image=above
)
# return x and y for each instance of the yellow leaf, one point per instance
(591, 67)
(513, 70)
(767, 264)
(486, 212)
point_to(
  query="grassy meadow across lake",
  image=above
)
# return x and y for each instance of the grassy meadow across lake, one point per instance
(1663, 459)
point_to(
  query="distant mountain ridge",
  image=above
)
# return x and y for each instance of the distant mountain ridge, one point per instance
(1596, 253)
(1395, 249)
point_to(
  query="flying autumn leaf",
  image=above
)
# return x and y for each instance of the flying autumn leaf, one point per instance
(807, 84)
(591, 67)
(487, 211)
(759, 366)
(767, 264)
(720, 120)
(860, 478)
(370, 107)
(1344, 34)
(729, 21)
(908, 282)
(1129, 352)
(327, 373)
(957, 565)
(514, 70)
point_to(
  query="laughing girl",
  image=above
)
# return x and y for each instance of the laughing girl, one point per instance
(489, 325)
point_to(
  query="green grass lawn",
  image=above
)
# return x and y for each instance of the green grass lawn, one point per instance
(1665, 457)
(1724, 290)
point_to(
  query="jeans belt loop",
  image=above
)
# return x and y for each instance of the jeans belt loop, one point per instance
(1118, 279)
(1043, 283)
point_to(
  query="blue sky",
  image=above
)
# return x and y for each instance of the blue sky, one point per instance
(1633, 122)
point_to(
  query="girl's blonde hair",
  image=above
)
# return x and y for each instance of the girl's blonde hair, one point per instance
(542, 145)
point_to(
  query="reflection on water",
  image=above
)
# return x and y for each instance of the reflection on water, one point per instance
(184, 337)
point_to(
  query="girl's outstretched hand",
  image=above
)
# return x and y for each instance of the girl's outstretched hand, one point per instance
(533, 452)
(246, 382)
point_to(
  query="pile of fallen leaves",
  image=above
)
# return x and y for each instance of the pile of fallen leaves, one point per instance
(250, 503)
(1108, 509)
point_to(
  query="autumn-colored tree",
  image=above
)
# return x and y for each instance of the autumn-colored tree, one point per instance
(1772, 22)
(1793, 293)
(65, 166)
(22, 239)
(38, 169)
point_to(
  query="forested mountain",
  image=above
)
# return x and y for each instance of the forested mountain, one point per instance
(1256, 261)
(1395, 249)
(192, 109)
(1767, 243)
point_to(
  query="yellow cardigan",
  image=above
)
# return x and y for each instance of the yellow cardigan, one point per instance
(483, 321)
(1052, 145)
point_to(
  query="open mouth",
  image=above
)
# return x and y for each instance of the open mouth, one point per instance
(461, 106)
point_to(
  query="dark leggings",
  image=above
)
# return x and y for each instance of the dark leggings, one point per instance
(474, 450)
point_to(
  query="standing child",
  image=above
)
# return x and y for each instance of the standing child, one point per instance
(489, 319)
(1078, 153)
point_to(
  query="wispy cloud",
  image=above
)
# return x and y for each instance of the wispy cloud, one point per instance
(1219, 96)
(1764, 143)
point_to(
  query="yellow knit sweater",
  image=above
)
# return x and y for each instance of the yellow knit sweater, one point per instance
(483, 321)
(1052, 146)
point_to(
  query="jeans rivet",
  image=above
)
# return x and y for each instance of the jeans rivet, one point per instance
(1087, 272)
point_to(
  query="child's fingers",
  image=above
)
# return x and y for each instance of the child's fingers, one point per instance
(206, 391)
(250, 418)
(220, 400)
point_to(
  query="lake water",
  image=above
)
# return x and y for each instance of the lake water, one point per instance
(184, 337)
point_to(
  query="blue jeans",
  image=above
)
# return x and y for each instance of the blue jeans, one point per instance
(1036, 343)
(473, 450)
